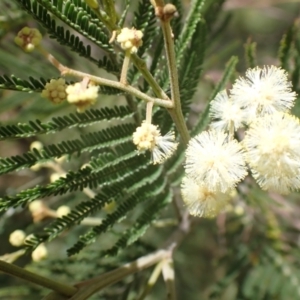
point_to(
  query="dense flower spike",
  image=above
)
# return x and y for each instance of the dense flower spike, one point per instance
(225, 113)
(273, 151)
(130, 39)
(55, 90)
(263, 91)
(148, 137)
(202, 202)
(216, 161)
(28, 38)
(82, 95)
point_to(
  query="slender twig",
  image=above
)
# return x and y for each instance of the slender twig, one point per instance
(175, 112)
(169, 278)
(37, 279)
(103, 81)
(90, 287)
(125, 66)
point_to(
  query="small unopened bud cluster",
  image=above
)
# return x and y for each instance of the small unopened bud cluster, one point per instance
(55, 90)
(148, 137)
(28, 38)
(130, 39)
(216, 162)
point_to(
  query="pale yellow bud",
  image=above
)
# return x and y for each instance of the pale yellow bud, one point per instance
(37, 145)
(62, 211)
(17, 238)
(39, 253)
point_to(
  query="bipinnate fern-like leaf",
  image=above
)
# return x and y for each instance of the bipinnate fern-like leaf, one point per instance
(73, 181)
(188, 30)
(79, 17)
(89, 117)
(14, 83)
(112, 190)
(141, 225)
(76, 19)
(145, 194)
(95, 140)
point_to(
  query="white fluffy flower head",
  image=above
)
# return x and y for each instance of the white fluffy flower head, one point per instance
(202, 202)
(130, 39)
(28, 38)
(55, 90)
(273, 150)
(264, 91)
(82, 95)
(148, 137)
(213, 159)
(225, 113)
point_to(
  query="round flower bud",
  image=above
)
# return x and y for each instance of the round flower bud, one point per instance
(36, 145)
(56, 176)
(17, 238)
(145, 136)
(148, 137)
(28, 38)
(55, 90)
(62, 211)
(39, 253)
(36, 206)
(130, 39)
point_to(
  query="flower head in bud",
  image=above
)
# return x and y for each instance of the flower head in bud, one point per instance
(63, 211)
(148, 137)
(225, 113)
(55, 90)
(216, 161)
(39, 210)
(17, 238)
(130, 39)
(36, 145)
(273, 151)
(28, 38)
(202, 202)
(264, 91)
(82, 95)
(39, 253)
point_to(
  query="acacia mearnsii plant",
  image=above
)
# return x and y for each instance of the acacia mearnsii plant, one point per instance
(112, 171)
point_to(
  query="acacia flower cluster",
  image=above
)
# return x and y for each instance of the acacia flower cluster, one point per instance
(82, 94)
(214, 165)
(55, 90)
(216, 161)
(148, 137)
(130, 39)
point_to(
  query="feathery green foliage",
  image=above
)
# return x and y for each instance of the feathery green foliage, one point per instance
(119, 201)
